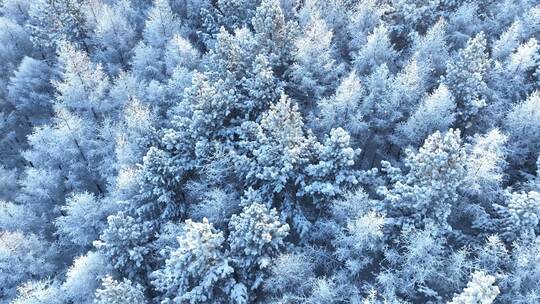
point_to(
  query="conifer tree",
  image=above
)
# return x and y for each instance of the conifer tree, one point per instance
(479, 290)
(256, 237)
(522, 126)
(198, 271)
(344, 107)
(274, 34)
(377, 50)
(316, 70)
(436, 112)
(466, 78)
(115, 292)
(427, 192)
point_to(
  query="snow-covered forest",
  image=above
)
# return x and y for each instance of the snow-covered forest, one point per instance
(269, 151)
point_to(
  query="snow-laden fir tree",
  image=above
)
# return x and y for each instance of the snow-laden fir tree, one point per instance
(256, 237)
(344, 106)
(364, 18)
(425, 194)
(124, 242)
(115, 33)
(377, 50)
(199, 271)
(84, 277)
(522, 125)
(435, 113)
(479, 290)
(486, 163)
(115, 292)
(520, 215)
(315, 70)
(274, 34)
(466, 77)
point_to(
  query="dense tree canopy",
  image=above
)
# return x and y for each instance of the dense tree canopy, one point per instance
(269, 151)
